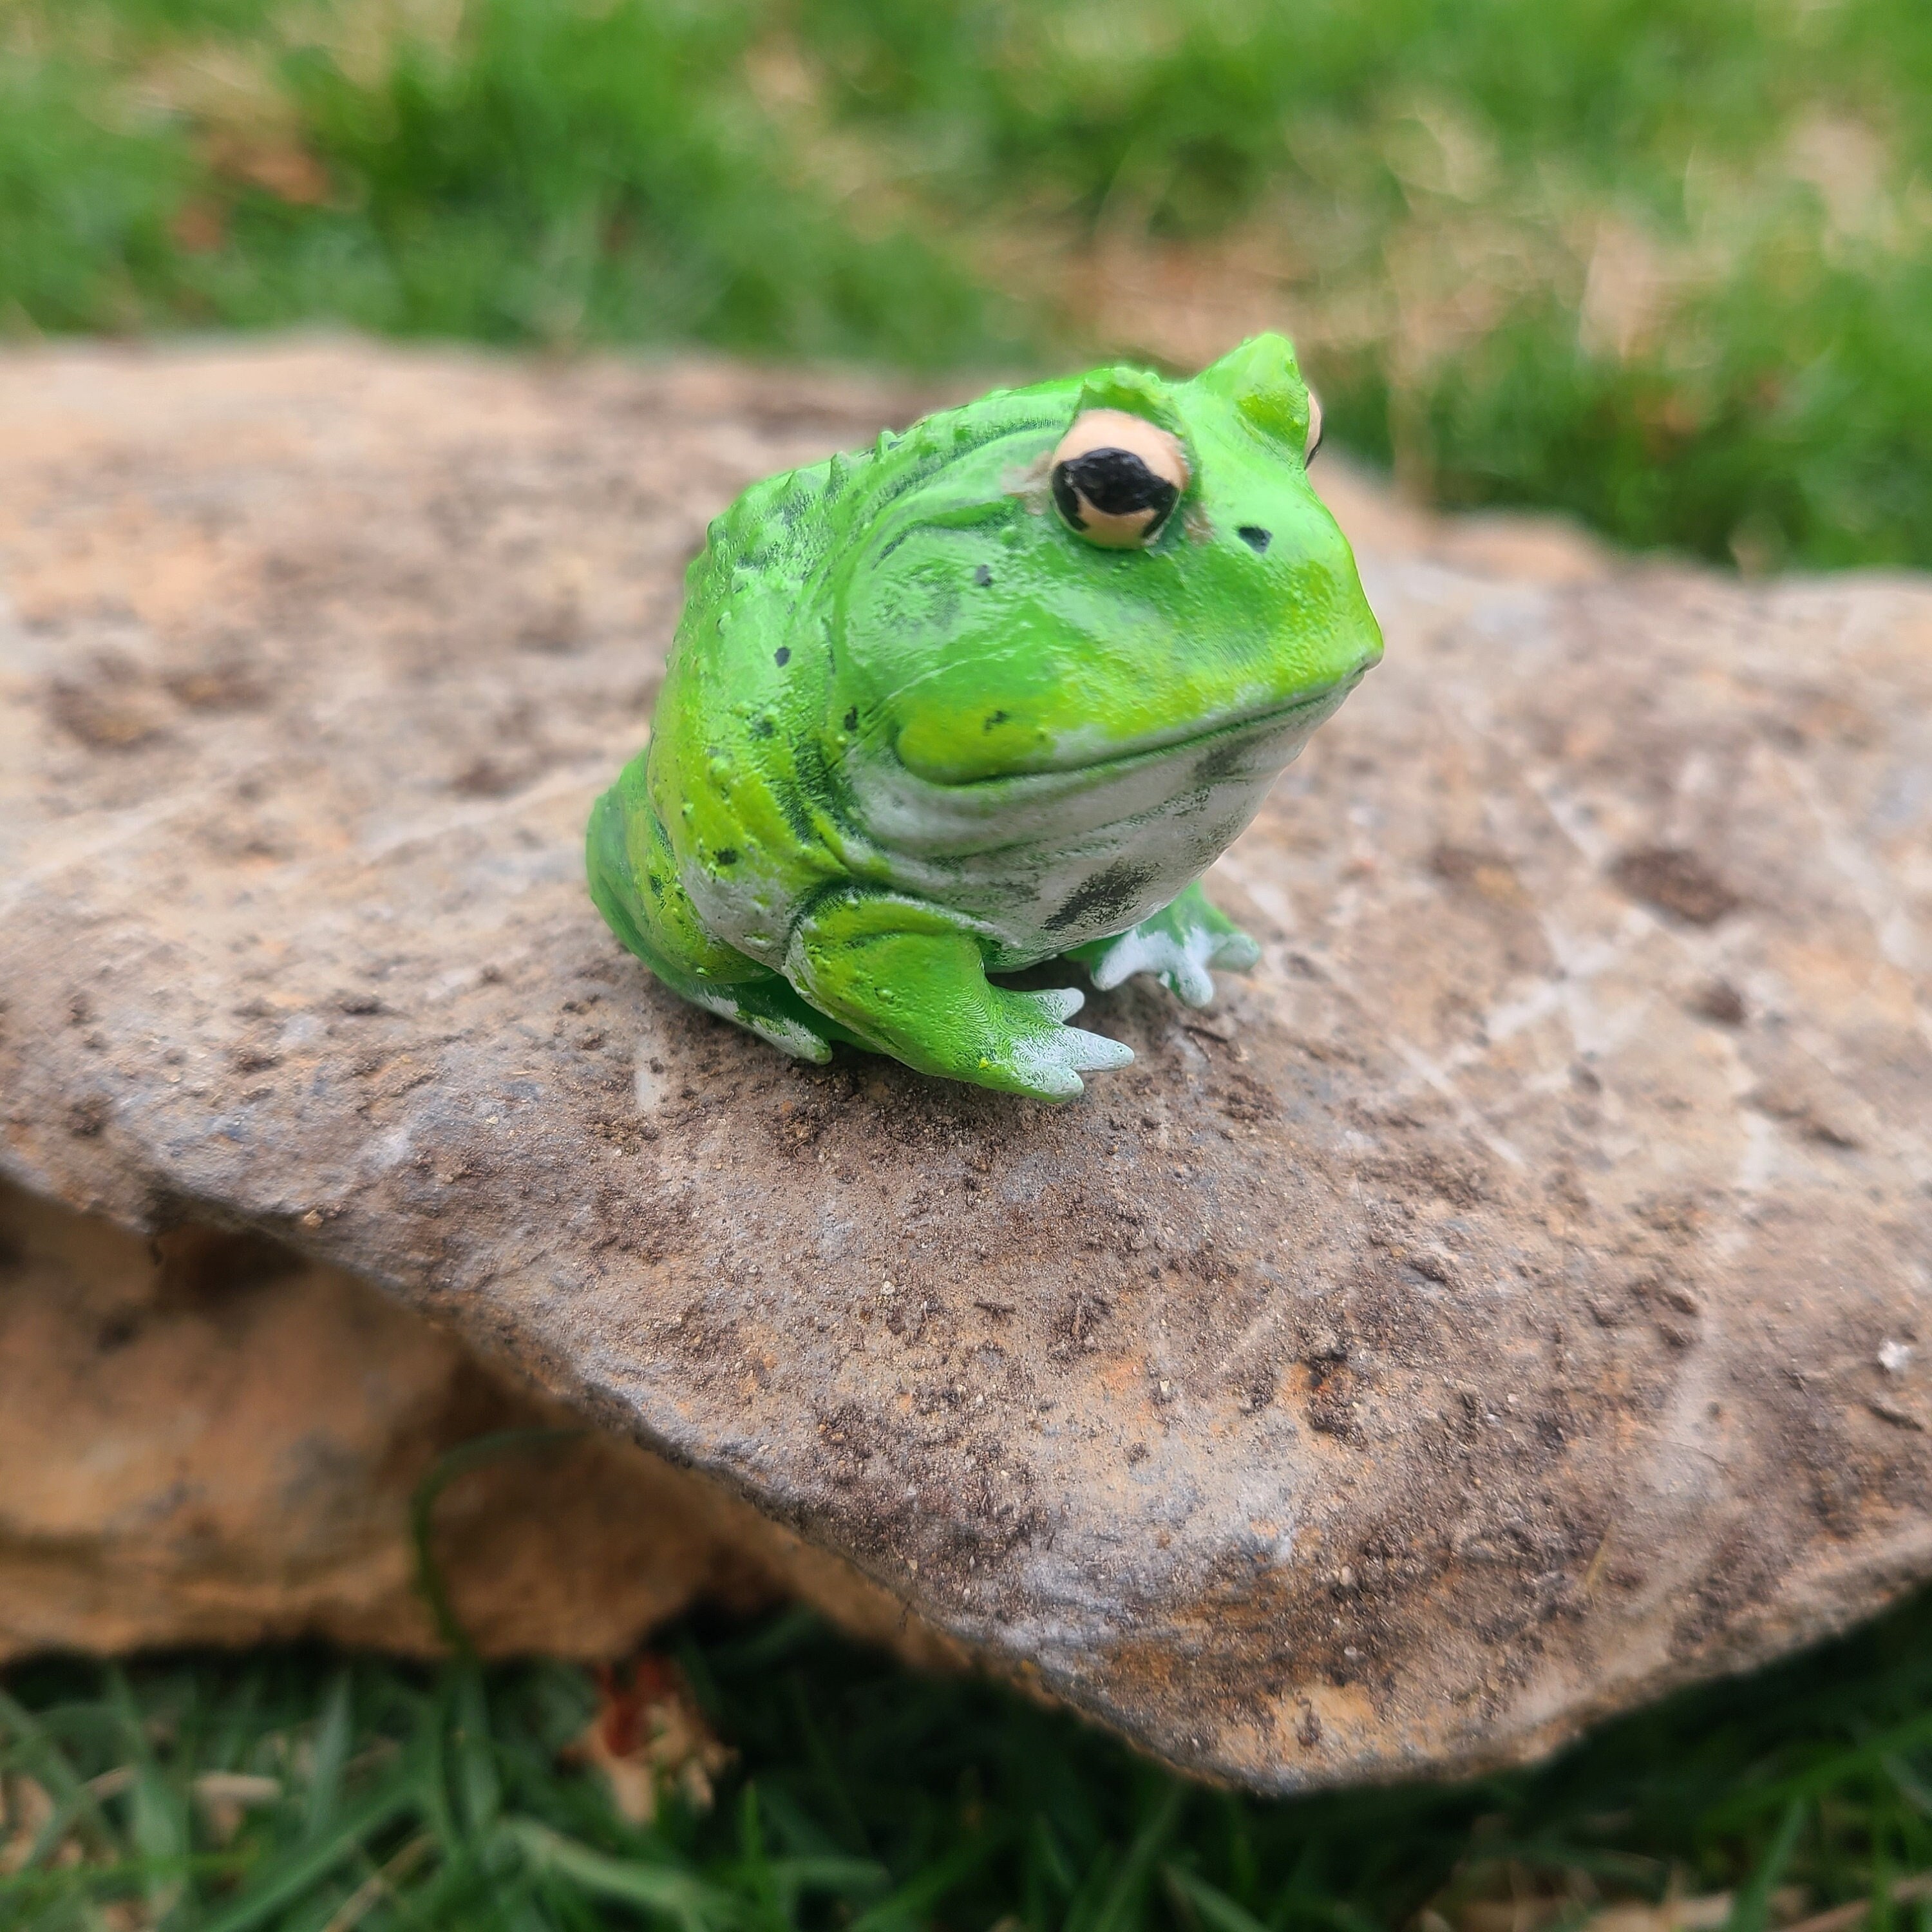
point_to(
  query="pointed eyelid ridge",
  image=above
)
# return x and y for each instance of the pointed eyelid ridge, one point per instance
(1264, 382)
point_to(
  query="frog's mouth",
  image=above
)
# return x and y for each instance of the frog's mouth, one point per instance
(1213, 774)
(1071, 766)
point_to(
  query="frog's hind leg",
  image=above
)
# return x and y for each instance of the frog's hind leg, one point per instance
(633, 881)
(909, 978)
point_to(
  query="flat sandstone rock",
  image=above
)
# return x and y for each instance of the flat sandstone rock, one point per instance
(1515, 1299)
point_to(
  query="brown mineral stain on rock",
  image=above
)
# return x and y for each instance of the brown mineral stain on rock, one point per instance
(1676, 881)
(1720, 1001)
(229, 684)
(100, 716)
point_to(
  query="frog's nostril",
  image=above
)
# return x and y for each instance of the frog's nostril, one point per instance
(1256, 538)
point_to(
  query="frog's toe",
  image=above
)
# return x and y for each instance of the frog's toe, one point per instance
(789, 1037)
(1057, 1003)
(1177, 953)
(1048, 1062)
(1237, 952)
(1120, 960)
(1178, 960)
(1094, 1052)
(1189, 980)
(1049, 1065)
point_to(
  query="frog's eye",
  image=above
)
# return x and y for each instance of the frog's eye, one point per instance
(1117, 479)
(1314, 429)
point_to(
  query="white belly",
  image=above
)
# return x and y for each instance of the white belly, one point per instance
(1045, 862)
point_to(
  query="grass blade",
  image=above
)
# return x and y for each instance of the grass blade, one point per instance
(334, 1731)
(914, 1899)
(1751, 1909)
(696, 1906)
(49, 1764)
(1120, 1909)
(1216, 1909)
(278, 1883)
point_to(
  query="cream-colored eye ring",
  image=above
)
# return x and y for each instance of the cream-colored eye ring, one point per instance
(1314, 429)
(1116, 479)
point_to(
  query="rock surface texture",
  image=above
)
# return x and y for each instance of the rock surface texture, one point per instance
(1513, 1300)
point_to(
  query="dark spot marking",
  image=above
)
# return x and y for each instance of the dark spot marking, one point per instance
(782, 654)
(1106, 896)
(813, 789)
(1256, 538)
(851, 720)
(983, 575)
(995, 717)
(1223, 761)
(727, 855)
(764, 728)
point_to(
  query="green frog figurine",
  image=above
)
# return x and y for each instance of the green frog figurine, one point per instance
(998, 689)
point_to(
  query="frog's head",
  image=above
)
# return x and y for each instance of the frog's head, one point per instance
(1091, 571)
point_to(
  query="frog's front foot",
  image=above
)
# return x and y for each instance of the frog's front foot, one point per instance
(1177, 945)
(909, 978)
(1047, 1060)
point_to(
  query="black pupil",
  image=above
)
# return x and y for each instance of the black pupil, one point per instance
(1115, 482)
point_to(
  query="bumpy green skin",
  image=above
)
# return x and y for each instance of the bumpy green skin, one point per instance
(915, 729)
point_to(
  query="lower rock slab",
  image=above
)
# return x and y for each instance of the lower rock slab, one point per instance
(207, 1439)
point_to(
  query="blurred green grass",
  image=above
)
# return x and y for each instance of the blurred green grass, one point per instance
(361, 1793)
(1663, 264)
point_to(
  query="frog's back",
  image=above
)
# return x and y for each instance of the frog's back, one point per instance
(744, 773)
(752, 639)
(750, 735)
(776, 533)
(787, 529)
